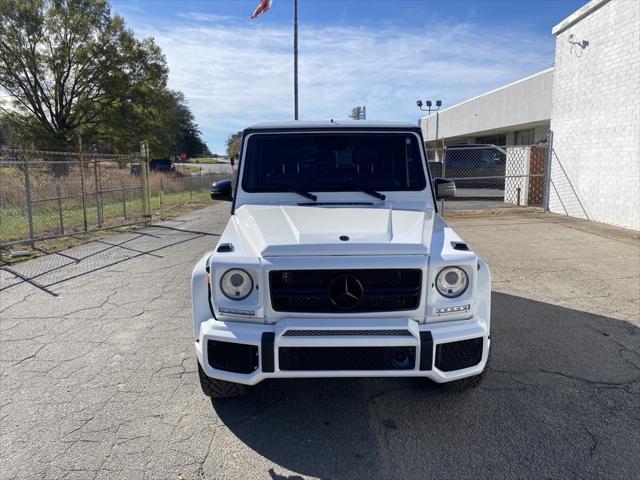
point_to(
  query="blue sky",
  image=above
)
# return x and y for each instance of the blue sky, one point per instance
(382, 54)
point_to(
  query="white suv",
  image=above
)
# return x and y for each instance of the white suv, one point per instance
(335, 263)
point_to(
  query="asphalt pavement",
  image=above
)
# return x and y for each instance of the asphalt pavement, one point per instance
(98, 375)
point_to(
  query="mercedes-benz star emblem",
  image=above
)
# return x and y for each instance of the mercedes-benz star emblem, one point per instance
(346, 291)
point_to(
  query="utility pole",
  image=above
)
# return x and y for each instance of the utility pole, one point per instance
(295, 59)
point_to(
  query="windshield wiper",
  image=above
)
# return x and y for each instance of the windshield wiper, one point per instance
(299, 191)
(363, 189)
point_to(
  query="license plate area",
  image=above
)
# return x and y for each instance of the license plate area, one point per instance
(346, 358)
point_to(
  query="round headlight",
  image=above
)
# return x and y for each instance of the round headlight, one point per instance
(452, 282)
(236, 284)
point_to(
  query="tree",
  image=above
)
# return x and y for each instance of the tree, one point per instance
(233, 145)
(69, 66)
(7, 132)
(187, 135)
(358, 113)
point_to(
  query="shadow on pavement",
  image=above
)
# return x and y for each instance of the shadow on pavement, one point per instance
(53, 269)
(561, 399)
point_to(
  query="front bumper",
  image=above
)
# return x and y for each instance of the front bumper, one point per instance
(271, 342)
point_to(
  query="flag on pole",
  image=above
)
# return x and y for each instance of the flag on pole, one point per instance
(263, 7)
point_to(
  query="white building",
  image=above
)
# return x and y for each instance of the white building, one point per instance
(591, 102)
(595, 114)
(516, 114)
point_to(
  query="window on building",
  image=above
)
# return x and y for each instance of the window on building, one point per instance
(524, 137)
(499, 140)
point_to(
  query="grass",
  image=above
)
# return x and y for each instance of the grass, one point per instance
(182, 168)
(206, 160)
(58, 244)
(14, 223)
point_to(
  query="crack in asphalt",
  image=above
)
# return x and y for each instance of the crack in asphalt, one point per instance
(100, 383)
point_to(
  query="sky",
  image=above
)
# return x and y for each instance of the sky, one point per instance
(384, 54)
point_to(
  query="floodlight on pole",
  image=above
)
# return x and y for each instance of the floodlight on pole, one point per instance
(429, 104)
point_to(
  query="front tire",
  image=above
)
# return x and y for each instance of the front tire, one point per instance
(215, 388)
(465, 383)
(469, 382)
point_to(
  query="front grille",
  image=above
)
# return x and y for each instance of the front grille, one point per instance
(458, 355)
(346, 358)
(345, 291)
(336, 333)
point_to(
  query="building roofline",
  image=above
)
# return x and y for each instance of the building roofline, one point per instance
(543, 72)
(578, 15)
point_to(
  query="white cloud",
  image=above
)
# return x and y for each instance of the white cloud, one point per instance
(238, 73)
(204, 17)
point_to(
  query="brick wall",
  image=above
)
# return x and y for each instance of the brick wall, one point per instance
(595, 118)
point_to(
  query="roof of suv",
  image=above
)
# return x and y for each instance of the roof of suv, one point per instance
(299, 124)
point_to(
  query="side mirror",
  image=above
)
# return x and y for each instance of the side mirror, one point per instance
(221, 190)
(444, 188)
(218, 196)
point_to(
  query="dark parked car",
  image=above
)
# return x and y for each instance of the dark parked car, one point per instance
(155, 165)
(475, 166)
(221, 190)
(161, 165)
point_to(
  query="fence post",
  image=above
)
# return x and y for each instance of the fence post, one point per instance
(161, 199)
(144, 167)
(547, 171)
(124, 201)
(58, 194)
(97, 186)
(99, 199)
(148, 177)
(143, 189)
(444, 170)
(190, 187)
(27, 186)
(84, 205)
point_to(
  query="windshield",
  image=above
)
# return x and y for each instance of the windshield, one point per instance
(333, 162)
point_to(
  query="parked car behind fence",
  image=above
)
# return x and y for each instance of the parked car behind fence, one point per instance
(475, 166)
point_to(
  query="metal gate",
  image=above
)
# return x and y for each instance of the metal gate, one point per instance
(490, 176)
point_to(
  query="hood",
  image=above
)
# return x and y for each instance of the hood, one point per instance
(273, 231)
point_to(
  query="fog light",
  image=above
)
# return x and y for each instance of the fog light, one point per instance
(454, 309)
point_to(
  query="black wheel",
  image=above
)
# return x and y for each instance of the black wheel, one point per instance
(220, 388)
(468, 382)
(465, 383)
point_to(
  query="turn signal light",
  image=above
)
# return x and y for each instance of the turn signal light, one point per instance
(455, 309)
(237, 311)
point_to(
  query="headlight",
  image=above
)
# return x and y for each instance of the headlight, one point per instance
(236, 284)
(452, 282)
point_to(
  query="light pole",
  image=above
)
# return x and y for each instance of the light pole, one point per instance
(295, 59)
(428, 104)
(427, 107)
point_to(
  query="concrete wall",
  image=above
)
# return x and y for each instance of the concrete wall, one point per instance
(595, 117)
(520, 103)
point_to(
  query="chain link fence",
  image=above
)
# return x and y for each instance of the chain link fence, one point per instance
(488, 176)
(46, 195)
